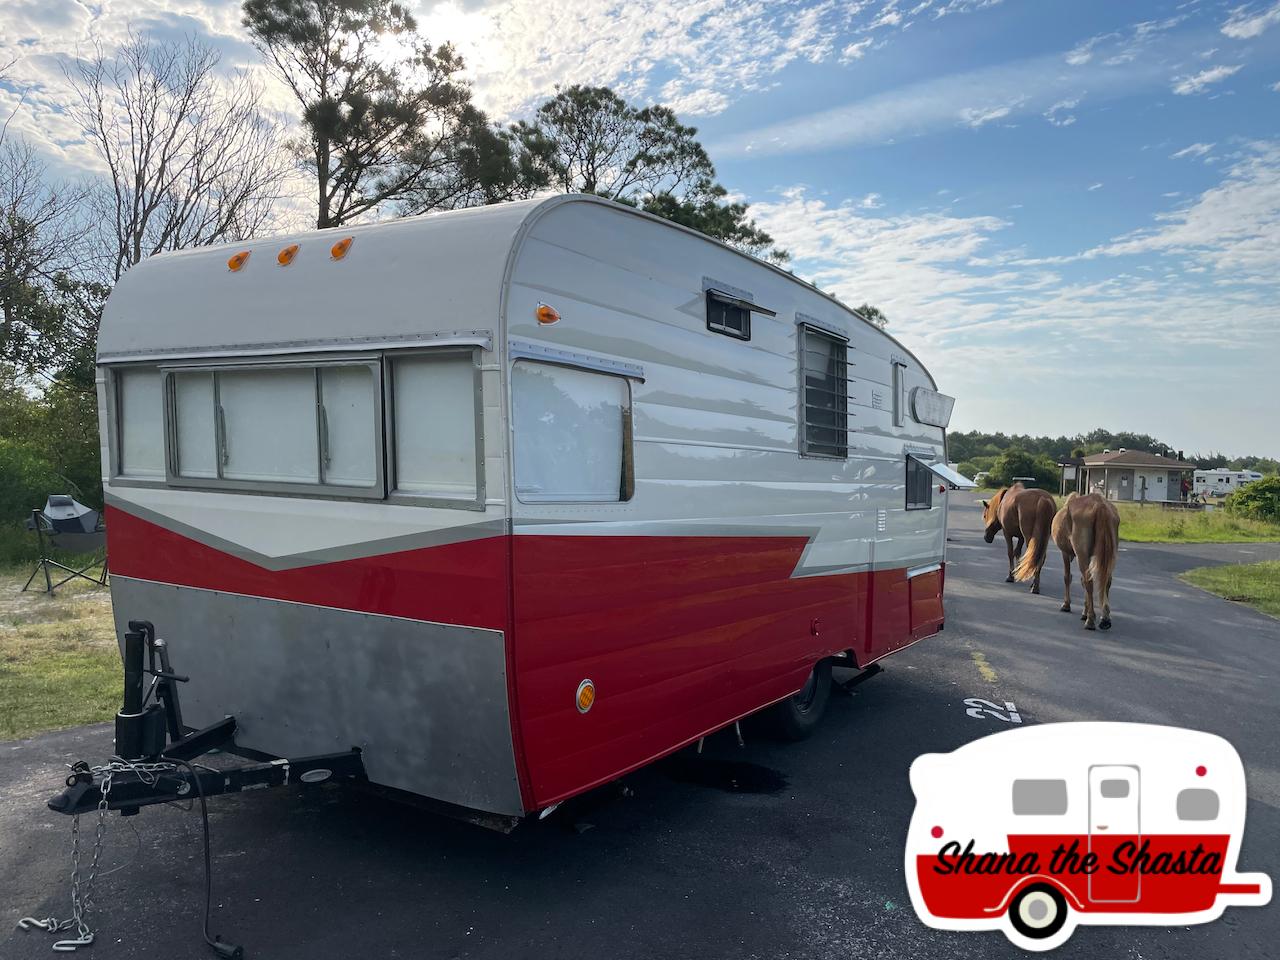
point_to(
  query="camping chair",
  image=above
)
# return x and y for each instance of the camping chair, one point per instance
(72, 529)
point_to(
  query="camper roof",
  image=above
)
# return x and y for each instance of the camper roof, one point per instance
(440, 275)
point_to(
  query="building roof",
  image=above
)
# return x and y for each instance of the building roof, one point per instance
(1135, 458)
(1070, 461)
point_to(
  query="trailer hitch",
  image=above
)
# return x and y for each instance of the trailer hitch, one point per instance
(154, 763)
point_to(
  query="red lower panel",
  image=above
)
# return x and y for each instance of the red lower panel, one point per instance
(463, 583)
(926, 603)
(680, 635)
(965, 895)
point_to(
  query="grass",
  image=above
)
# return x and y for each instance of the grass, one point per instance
(59, 664)
(1257, 584)
(1155, 524)
(1152, 523)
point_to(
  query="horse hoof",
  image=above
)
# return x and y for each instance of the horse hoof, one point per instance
(1035, 590)
(1089, 626)
(1009, 579)
(1065, 608)
(1104, 624)
(1084, 616)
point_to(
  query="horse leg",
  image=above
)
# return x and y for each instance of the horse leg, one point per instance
(1008, 542)
(1105, 622)
(1090, 615)
(1066, 583)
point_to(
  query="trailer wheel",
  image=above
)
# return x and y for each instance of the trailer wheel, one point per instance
(796, 717)
(1038, 911)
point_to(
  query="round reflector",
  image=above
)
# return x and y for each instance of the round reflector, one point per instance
(586, 695)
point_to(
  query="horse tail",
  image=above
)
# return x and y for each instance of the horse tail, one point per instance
(1103, 562)
(1037, 542)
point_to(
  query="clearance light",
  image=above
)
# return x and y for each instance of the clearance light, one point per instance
(936, 832)
(238, 261)
(547, 314)
(339, 249)
(1201, 771)
(586, 695)
(285, 256)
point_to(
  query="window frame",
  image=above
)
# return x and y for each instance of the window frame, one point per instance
(802, 403)
(115, 437)
(627, 487)
(376, 491)
(389, 359)
(716, 296)
(907, 499)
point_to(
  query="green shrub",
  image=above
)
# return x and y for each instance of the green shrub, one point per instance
(1259, 500)
(1019, 463)
(26, 480)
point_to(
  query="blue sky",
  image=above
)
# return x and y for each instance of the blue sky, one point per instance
(1069, 210)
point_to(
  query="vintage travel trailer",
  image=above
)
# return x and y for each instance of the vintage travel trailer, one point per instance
(513, 499)
(1142, 799)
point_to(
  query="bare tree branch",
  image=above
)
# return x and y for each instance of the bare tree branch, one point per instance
(191, 157)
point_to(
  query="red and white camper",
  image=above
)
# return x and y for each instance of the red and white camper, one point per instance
(1036, 830)
(513, 500)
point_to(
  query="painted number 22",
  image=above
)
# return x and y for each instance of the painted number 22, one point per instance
(980, 709)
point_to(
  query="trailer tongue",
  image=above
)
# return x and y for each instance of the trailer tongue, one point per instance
(156, 762)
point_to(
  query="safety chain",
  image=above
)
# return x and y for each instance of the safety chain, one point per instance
(82, 899)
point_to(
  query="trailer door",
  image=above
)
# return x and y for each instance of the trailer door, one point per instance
(1113, 820)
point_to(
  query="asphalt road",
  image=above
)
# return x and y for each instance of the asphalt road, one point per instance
(804, 861)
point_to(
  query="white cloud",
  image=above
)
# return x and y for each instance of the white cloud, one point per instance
(1060, 113)
(1276, 87)
(977, 116)
(973, 97)
(871, 201)
(1196, 83)
(1230, 228)
(856, 50)
(1249, 21)
(1093, 186)
(1194, 150)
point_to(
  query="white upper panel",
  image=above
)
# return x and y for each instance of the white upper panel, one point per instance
(404, 280)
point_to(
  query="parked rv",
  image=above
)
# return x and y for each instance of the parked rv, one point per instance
(1220, 482)
(511, 500)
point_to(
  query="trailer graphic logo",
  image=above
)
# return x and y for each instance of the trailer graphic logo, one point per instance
(1035, 830)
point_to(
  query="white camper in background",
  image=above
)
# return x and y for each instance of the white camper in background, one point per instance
(1220, 482)
(513, 499)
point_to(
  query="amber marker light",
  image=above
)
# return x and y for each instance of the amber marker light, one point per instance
(339, 249)
(238, 261)
(547, 314)
(586, 695)
(285, 256)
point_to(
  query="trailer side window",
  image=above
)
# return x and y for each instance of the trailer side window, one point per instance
(1039, 798)
(269, 425)
(139, 423)
(277, 426)
(824, 369)
(1197, 804)
(919, 485)
(728, 315)
(434, 397)
(572, 433)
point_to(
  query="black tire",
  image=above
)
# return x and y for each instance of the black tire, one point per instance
(796, 717)
(1038, 911)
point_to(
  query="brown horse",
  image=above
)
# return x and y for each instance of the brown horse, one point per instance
(1026, 515)
(1087, 529)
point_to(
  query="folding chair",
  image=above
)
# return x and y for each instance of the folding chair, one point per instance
(71, 528)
